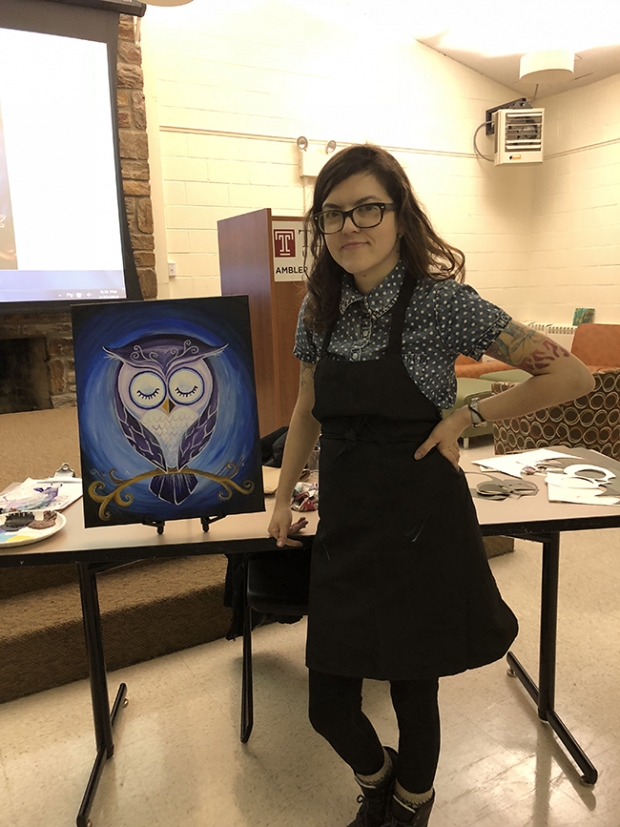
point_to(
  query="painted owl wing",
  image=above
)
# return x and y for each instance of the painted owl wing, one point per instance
(139, 437)
(198, 434)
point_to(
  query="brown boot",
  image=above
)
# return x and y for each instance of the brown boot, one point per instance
(374, 800)
(399, 816)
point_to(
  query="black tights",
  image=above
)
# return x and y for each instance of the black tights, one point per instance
(336, 714)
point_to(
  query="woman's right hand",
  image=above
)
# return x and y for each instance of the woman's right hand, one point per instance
(300, 440)
(281, 526)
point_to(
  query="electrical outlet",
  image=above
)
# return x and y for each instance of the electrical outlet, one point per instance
(172, 269)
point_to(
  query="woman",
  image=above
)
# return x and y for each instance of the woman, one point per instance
(400, 585)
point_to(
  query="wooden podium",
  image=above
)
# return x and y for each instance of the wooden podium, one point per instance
(262, 256)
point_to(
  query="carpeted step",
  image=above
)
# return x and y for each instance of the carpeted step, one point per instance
(23, 579)
(147, 611)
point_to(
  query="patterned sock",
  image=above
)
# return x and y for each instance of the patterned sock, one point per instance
(377, 777)
(410, 801)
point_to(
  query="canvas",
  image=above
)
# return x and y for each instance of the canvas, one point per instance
(583, 315)
(168, 423)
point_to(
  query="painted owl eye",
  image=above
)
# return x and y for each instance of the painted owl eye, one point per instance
(186, 386)
(147, 389)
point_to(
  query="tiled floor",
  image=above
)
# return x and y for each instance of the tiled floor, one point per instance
(179, 762)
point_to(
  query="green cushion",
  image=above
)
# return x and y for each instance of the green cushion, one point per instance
(470, 387)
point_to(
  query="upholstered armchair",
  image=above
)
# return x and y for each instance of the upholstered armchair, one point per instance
(467, 368)
(597, 345)
(592, 421)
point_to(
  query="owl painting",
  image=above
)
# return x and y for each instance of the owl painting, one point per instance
(167, 410)
(166, 403)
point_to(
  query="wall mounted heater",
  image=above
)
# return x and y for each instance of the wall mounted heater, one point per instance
(518, 136)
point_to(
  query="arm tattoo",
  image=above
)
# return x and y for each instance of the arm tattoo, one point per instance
(525, 348)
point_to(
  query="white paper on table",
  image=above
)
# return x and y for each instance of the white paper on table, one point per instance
(513, 464)
(53, 494)
(559, 492)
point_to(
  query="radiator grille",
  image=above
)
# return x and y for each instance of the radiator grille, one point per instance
(563, 334)
(551, 328)
(524, 131)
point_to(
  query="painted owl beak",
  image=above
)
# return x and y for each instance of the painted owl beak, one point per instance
(168, 405)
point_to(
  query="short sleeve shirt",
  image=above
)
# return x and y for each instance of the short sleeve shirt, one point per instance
(443, 319)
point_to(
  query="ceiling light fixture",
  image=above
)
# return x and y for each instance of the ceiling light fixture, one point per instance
(548, 66)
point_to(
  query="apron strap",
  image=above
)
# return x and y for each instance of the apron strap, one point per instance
(328, 334)
(326, 340)
(399, 310)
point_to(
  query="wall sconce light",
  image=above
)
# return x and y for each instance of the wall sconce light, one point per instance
(312, 159)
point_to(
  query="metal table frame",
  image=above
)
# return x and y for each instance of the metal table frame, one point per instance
(547, 532)
(543, 693)
(94, 559)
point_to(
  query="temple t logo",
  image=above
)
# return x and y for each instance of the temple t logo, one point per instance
(284, 243)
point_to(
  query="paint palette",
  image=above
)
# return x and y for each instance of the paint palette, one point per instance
(25, 535)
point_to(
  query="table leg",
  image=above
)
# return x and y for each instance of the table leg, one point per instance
(543, 695)
(103, 719)
(247, 689)
(548, 625)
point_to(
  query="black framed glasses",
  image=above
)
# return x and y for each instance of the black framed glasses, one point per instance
(364, 217)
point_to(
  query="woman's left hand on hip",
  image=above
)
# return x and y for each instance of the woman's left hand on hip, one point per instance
(444, 437)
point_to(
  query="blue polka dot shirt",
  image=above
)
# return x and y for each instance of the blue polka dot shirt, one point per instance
(443, 320)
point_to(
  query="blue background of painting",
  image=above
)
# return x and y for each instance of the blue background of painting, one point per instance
(215, 321)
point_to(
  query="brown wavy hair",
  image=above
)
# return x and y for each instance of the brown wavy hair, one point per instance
(422, 251)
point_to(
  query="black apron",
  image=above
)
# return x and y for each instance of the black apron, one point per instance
(400, 586)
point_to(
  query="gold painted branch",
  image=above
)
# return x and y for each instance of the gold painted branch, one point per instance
(95, 489)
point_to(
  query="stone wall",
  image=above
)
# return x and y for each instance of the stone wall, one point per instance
(55, 328)
(134, 155)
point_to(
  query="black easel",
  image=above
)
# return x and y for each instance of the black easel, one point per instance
(205, 522)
